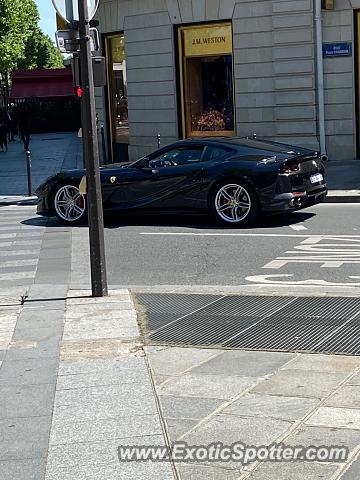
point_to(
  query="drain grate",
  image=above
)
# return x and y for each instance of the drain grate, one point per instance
(307, 324)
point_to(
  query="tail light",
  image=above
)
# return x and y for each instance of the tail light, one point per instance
(290, 167)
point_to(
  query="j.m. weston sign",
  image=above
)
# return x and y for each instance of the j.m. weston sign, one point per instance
(207, 40)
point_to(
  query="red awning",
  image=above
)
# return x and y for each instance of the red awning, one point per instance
(42, 83)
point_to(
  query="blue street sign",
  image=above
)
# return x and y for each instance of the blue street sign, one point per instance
(337, 49)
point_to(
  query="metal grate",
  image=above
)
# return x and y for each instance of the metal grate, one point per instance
(307, 324)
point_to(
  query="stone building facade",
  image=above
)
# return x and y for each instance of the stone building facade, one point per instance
(273, 61)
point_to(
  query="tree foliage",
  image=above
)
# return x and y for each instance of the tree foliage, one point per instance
(40, 52)
(20, 38)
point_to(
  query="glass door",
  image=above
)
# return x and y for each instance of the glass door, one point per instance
(117, 97)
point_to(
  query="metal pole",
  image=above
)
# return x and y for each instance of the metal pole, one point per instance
(320, 76)
(29, 175)
(91, 151)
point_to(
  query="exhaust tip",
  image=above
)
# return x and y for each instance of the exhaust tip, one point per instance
(324, 158)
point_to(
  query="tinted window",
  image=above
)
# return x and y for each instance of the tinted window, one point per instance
(176, 157)
(249, 145)
(213, 153)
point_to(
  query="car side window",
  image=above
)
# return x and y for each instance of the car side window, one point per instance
(214, 153)
(177, 156)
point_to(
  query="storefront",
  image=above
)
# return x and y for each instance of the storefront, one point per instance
(213, 68)
(118, 122)
(206, 80)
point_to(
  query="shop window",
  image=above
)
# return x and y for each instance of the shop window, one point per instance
(118, 102)
(206, 71)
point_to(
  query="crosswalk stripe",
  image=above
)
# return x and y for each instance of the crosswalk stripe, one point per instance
(7, 235)
(27, 242)
(14, 253)
(17, 275)
(18, 263)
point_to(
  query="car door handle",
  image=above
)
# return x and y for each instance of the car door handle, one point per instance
(155, 172)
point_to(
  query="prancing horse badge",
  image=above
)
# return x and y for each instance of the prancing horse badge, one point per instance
(112, 179)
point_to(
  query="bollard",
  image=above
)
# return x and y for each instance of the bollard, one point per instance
(28, 167)
(159, 140)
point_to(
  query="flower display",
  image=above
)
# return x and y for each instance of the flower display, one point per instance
(211, 121)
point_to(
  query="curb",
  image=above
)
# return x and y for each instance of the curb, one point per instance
(17, 200)
(343, 196)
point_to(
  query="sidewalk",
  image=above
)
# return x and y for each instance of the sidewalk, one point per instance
(77, 383)
(343, 180)
(50, 153)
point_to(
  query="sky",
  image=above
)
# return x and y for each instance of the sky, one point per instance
(47, 17)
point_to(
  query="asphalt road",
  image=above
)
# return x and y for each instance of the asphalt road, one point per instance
(320, 244)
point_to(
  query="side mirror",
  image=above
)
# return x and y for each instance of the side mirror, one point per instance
(144, 162)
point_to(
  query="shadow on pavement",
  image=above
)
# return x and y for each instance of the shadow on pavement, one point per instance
(179, 220)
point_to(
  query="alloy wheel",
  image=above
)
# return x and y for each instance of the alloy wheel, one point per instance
(69, 203)
(233, 203)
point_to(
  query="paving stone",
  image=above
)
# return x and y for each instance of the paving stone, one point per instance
(104, 430)
(38, 334)
(29, 372)
(119, 301)
(103, 329)
(116, 376)
(34, 319)
(320, 436)
(104, 403)
(336, 418)
(159, 379)
(347, 396)
(201, 472)
(355, 380)
(246, 364)
(26, 400)
(101, 365)
(299, 383)
(22, 350)
(194, 408)
(47, 304)
(353, 472)
(92, 454)
(286, 408)
(51, 291)
(98, 305)
(97, 393)
(30, 469)
(174, 360)
(113, 471)
(207, 386)
(325, 363)
(95, 314)
(22, 438)
(177, 427)
(230, 429)
(294, 471)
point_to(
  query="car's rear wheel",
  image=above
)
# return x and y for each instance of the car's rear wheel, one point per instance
(69, 204)
(234, 203)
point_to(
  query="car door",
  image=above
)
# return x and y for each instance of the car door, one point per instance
(167, 179)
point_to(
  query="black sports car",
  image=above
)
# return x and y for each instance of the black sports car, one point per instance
(235, 179)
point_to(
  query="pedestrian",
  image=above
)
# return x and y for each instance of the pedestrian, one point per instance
(13, 123)
(25, 127)
(3, 131)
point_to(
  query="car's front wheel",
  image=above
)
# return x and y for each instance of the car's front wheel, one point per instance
(234, 203)
(69, 204)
